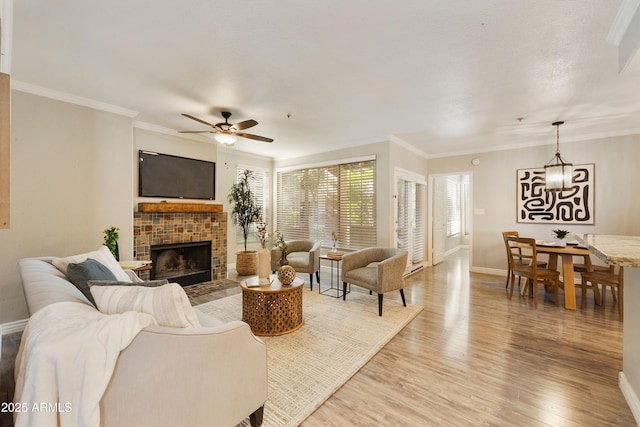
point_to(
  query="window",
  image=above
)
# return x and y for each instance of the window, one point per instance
(315, 202)
(259, 184)
(453, 207)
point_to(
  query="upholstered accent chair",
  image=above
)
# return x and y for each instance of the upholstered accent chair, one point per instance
(303, 256)
(377, 269)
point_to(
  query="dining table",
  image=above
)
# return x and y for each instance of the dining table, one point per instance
(566, 252)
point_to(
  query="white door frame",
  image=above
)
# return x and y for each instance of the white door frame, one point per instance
(431, 179)
(407, 175)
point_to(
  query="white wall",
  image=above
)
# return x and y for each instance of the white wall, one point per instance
(71, 175)
(494, 190)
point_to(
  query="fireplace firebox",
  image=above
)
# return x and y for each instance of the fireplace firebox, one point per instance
(183, 263)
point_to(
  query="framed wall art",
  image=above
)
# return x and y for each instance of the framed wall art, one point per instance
(574, 206)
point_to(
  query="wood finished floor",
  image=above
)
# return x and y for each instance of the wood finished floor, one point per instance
(472, 358)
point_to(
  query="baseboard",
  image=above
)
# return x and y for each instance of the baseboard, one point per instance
(13, 327)
(413, 269)
(630, 396)
(491, 271)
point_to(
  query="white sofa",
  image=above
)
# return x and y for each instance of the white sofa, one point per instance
(212, 375)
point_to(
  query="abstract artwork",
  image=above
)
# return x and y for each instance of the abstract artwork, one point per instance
(574, 206)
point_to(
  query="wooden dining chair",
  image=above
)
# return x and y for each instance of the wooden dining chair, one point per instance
(518, 257)
(605, 278)
(524, 249)
(587, 265)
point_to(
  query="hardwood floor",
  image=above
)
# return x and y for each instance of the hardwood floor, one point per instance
(472, 357)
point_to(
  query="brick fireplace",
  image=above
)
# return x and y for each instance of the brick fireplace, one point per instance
(172, 223)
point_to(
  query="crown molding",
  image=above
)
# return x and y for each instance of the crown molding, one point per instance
(172, 132)
(565, 140)
(401, 142)
(72, 99)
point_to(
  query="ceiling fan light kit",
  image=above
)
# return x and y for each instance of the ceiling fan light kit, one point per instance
(227, 133)
(558, 174)
(225, 138)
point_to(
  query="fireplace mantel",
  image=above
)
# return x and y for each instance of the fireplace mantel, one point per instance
(178, 207)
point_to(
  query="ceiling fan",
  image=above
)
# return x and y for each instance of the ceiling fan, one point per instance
(227, 133)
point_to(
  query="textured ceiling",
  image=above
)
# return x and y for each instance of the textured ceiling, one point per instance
(442, 76)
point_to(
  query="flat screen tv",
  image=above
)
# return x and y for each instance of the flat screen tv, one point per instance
(164, 175)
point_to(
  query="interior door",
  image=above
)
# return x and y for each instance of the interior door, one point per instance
(402, 223)
(439, 220)
(410, 217)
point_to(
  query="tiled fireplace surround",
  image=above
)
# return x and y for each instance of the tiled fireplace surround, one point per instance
(158, 228)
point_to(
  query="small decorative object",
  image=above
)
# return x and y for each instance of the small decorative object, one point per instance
(334, 237)
(244, 212)
(282, 245)
(264, 254)
(111, 237)
(286, 274)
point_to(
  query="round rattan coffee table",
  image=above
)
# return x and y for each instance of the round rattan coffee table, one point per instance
(274, 309)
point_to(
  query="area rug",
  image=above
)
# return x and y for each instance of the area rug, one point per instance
(337, 338)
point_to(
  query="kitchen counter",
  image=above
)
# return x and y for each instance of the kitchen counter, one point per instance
(617, 250)
(625, 252)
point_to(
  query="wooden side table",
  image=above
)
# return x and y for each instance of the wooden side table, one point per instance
(274, 309)
(142, 270)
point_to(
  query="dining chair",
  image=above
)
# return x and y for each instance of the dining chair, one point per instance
(587, 265)
(523, 260)
(609, 278)
(518, 256)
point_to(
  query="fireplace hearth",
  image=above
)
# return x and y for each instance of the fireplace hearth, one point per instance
(183, 263)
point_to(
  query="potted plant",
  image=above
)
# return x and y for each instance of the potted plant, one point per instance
(560, 234)
(110, 237)
(244, 212)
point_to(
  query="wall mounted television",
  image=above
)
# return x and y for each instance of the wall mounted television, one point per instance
(164, 175)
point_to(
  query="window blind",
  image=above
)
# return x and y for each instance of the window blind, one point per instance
(315, 202)
(417, 254)
(453, 207)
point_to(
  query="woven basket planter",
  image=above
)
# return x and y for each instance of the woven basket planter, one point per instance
(247, 263)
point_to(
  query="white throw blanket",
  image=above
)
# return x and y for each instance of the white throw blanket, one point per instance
(65, 362)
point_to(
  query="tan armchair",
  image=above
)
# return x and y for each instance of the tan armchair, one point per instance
(378, 269)
(303, 256)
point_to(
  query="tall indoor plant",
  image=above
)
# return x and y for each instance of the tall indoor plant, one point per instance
(244, 212)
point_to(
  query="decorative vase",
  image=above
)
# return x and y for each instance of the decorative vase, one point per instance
(283, 259)
(264, 265)
(247, 263)
(286, 274)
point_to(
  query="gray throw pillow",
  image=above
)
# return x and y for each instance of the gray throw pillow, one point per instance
(90, 269)
(148, 284)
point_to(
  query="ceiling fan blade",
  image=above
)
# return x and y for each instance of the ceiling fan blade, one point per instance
(245, 124)
(197, 131)
(197, 119)
(256, 137)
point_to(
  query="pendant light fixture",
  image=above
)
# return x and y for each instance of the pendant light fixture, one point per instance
(558, 174)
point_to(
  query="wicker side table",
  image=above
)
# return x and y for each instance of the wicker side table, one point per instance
(272, 310)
